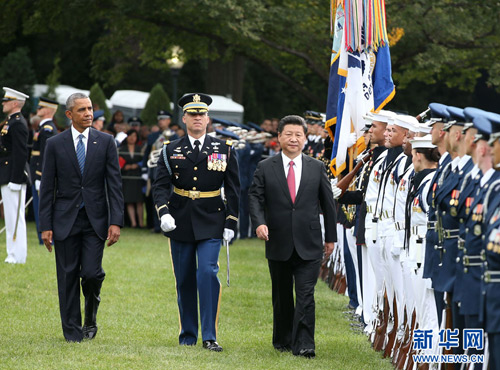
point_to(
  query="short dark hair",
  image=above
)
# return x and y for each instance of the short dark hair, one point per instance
(292, 120)
(431, 154)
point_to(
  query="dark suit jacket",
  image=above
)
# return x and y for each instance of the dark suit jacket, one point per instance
(293, 225)
(63, 188)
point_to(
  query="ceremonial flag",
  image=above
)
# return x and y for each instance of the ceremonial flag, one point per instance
(360, 74)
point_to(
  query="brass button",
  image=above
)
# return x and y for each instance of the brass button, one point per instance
(194, 188)
(196, 168)
(195, 178)
(218, 209)
(176, 166)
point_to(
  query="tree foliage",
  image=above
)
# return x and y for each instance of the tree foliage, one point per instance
(446, 43)
(158, 100)
(98, 99)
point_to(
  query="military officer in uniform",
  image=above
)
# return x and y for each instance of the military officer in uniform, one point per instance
(192, 213)
(14, 174)
(46, 129)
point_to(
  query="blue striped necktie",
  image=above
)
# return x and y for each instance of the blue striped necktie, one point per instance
(80, 153)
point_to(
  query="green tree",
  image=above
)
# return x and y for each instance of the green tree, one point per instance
(99, 100)
(16, 72)
(158, 100)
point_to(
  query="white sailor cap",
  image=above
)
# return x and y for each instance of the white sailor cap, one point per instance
(382, 115)
(406, 121)
(11, 94)
(422, 142)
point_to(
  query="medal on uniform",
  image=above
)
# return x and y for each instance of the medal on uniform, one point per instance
(468, 203)
(453, 211)
(477, 229)
(479, 212)
(210, 163)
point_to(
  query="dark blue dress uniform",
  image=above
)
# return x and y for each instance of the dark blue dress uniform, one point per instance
(13, 150)
(189, 189)
(46, 130)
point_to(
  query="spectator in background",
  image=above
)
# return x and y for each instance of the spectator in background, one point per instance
(274, 125)
(120, 130)
(131, 169)
(116, 118)
(266, 125)
(144, 132)
(178, 129)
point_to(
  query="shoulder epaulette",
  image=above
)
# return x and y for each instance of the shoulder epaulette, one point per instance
(229, 142)
(166, 142)
(48, 128)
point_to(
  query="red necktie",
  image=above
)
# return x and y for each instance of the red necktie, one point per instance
(290, 179)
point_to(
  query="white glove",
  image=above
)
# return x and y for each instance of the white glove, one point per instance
(144, 176)
(351, 139)
(37, 185)
(14, 187)
(167, 223)
(228, 235)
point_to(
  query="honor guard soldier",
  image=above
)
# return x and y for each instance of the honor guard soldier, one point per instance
(439, 116)
(192, 213)
(489, 313)
(46, 129)
(314, 145)
(425, 157)
(469, 268)
(446, 200)
(14, 174)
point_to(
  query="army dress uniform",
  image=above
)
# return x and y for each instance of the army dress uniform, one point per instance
(188, 187)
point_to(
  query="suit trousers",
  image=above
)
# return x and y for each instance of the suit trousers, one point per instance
(293, 324)
(79, 256)
(192, 279)
(13, 205)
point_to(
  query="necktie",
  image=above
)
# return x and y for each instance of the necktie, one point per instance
(80, 153)
(290, 179)
(196, 150)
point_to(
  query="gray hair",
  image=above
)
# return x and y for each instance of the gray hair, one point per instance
(70, 102)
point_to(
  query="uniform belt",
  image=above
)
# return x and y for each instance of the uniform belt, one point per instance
(35, 153)
(461, 244)
(196, 194)
(451, 233)
(385, 215)
(431, 225)
(415, 230)
(476, 260)
(491, 276)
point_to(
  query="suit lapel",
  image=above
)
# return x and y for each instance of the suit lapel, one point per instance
(279, 171)
(92, 146)
(69, 147)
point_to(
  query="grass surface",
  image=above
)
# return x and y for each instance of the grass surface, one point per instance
(138, 319)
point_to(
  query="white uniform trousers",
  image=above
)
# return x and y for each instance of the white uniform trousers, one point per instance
(12, 202)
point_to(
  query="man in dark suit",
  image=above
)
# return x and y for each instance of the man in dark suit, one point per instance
(81, 206)
(192, 213)
(288, 193)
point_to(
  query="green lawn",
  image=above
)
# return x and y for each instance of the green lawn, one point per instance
(138, 320)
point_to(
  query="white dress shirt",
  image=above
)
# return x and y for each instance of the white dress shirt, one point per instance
(192, 140)
(76, 139)
(297, 168)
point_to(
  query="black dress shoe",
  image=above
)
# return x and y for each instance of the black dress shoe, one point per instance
(284, 348)
(212, 345)
(307, 353)
(89, 332)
